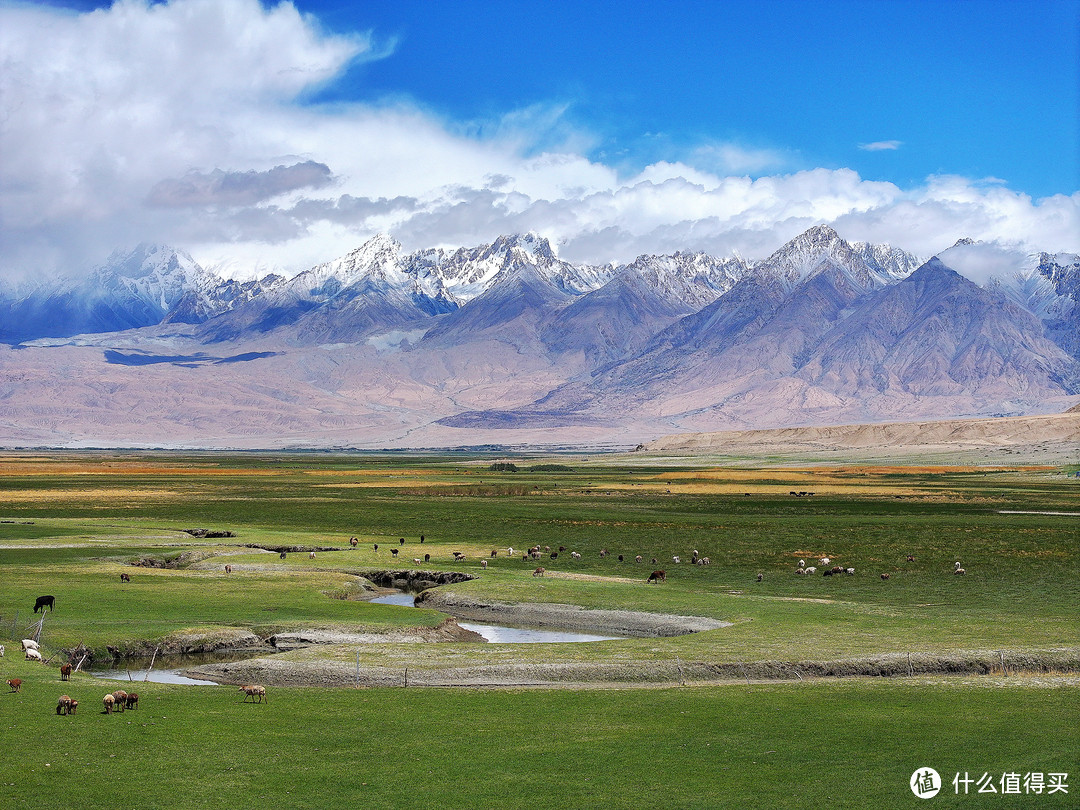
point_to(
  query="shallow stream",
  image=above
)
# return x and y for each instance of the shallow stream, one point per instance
(167, 668)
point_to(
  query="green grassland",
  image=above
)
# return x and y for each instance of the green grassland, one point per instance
(73, 523)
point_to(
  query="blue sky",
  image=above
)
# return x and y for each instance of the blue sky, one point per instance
(978, 88)
(612, 129)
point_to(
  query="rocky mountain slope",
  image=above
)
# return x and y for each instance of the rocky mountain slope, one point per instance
(508, 343)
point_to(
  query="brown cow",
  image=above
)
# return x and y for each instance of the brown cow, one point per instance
(657, 576)
(125, 577)
(65, 672)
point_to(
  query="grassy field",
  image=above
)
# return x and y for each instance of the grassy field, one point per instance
(73, 523)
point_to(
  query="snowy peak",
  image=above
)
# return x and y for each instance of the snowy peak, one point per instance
(821, 248)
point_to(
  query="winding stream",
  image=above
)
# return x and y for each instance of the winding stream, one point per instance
(502, 634)
(168, 667)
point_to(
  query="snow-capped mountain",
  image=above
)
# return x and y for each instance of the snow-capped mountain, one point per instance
(385, 346)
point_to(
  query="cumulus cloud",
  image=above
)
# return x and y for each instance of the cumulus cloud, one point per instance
(191, 122)
(881, 146)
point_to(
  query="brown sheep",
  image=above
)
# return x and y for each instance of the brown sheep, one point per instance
(15, 684)
(120, 698)
(63, 706)
(65, 672)
(131, 701)
(253, 691)
(108, 702)
(73, 706)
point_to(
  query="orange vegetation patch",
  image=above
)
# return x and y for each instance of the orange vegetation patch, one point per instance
(58, 467)
(105, 494)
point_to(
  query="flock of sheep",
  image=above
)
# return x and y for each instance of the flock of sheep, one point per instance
(117, 701)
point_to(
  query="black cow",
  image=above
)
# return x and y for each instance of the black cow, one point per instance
(45, 602)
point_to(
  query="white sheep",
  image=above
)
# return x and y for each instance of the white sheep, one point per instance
(826, 560)
(802, 563)
(483, 563)
(800, 571)
(312, 555)
(958, 569)
(812, 569)
(1, 650)
(849, 571)
(510, 551)
(676, 559)
(416, 561)
(30, 644)
(577, 556)
(33, 655)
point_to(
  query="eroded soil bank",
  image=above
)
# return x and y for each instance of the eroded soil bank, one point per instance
(277, 672)
(568, 617)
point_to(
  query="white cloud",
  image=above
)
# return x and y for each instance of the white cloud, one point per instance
(203, 104)
(881, 146)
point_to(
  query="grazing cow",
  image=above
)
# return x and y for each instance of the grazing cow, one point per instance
(427, 558)
(494, 553)
(311, 555)
(401, 541)
(911, 558)
(539, 572)
(15, 684)
(562, 548)
(63, 705)
(354, 542)
(1, 650)
(108, 702)
(393, 552)
(228, 569)
(676, 559)
(376, 545)
(416, 561)
(33, 655)
(637, 558)
(65, 672)
(760, 577)
(45, 602)
(421, 538)
(131, 701)
(884, 576)
(253, 691)
(620, 558)
(657, 577)
(554, 555)
(282, 555)
(603, 552)
(125, 577)
(483, 563)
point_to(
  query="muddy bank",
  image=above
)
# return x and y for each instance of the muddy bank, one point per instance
(276, 672)
(568, 617)
(447, 630)
(413, 581)
(225, 639)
